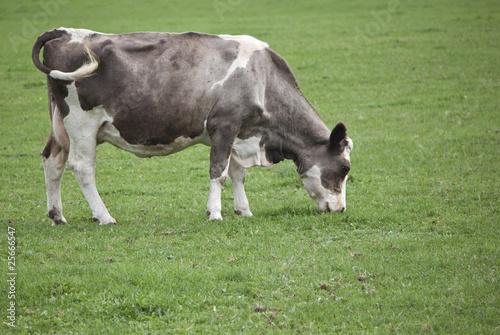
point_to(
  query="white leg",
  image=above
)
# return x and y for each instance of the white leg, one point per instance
(214, 206)
(81, 162)
(82, 127)
(238, 174)
(53, 167)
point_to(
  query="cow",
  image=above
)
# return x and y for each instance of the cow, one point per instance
(158, 93)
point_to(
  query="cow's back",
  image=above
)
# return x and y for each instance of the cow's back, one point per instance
(156, 86)
(159, 87)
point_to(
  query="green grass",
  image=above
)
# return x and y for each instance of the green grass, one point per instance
(417, 250)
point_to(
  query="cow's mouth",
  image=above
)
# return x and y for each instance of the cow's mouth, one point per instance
(328, 207)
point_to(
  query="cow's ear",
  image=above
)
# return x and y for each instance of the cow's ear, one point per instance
(338, 134)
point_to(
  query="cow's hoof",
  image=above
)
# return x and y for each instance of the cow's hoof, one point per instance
(104, 222)
(56, 217)
(243, 212)
(56, 222)
(214, 216)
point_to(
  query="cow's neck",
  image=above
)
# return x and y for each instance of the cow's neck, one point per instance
(298, 137)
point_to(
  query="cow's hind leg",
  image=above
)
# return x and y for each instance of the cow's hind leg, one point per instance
(54, 159)
(238, 174)
(81, 161)
(82, 127)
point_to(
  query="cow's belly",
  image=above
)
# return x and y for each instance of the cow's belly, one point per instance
(109, 133)
(249, 152)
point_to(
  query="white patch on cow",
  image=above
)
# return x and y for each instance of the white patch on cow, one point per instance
(247, 46)
(248, 152)
(78, 121)
(78, 35)
(214, 205)
(325, 199)
(348, 148)
(108, 133)
(82, 127)
(312, 183)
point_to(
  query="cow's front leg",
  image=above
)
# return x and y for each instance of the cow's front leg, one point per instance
(238, 174)
(82, 162)
(54, 159)
(214, 206)
(220, 155)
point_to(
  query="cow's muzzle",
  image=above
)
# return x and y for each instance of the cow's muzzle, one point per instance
(330, 207)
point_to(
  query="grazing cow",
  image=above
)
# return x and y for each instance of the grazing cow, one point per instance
(159, 93)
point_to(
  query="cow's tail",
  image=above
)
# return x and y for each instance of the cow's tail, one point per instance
(86, 70)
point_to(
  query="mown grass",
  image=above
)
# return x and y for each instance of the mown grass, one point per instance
(417, 250)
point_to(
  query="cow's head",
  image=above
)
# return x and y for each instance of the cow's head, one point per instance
(326, 179)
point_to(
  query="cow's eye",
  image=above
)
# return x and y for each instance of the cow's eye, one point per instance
(345, 169)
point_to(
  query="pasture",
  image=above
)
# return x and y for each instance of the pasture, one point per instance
(416, 82)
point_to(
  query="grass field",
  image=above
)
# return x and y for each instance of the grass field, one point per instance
(416, 82)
